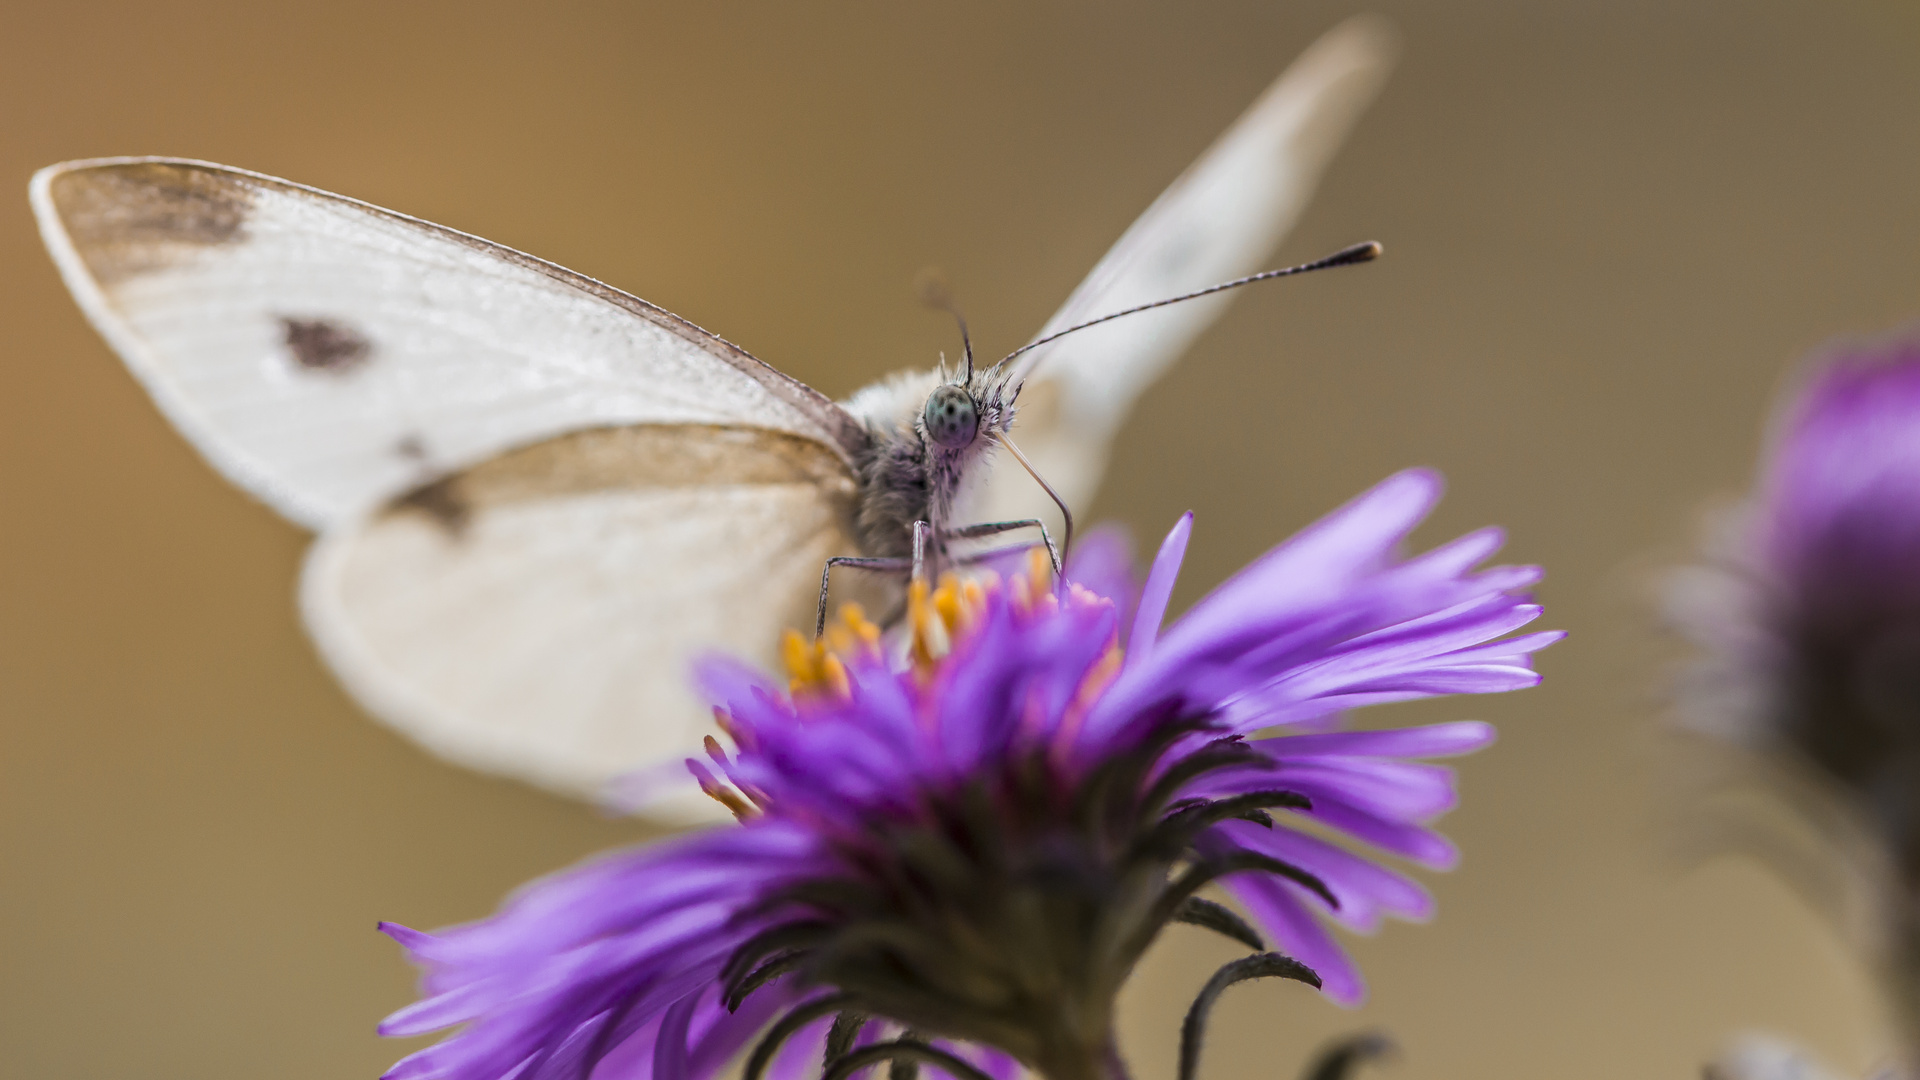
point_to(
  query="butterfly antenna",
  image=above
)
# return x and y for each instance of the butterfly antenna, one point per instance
(1358, 253)
(931, 284)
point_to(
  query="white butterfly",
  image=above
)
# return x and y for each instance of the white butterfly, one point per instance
(537, 496)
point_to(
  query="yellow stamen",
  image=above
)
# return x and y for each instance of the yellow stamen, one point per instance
(1039, 568)
(839, 639)
(833, 676)
(798, 655)
(973, 600)
(853, 633)
(1019, 595)
(946, 600)
(865, 629)
(814, 666)
(936, 615)
(921, 623)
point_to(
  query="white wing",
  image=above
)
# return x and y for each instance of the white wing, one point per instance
(326, 354)
(1220, 220)
(536, 616)
(538, 496)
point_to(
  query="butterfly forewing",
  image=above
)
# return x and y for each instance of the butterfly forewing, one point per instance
(1220, 219)
(327, 354)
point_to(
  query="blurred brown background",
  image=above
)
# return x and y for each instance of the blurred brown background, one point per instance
(1610, 228)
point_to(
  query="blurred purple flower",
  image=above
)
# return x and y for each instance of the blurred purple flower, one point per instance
(1808, 614)
(965, 853)
(1810, 611)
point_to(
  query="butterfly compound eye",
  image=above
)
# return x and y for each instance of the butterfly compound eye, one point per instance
(950, 417)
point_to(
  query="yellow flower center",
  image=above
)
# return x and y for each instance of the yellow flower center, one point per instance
(936, 617)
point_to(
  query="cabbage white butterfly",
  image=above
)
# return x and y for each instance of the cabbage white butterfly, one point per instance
(536, 496)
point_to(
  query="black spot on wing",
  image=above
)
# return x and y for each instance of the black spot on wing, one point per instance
(325, 345)
(412, 448)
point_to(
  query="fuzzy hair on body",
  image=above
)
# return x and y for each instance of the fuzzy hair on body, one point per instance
(905, 476)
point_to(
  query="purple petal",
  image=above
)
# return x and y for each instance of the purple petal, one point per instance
(1841, 496)
(1415, 842)
(1102, 563)
(1434, 740)
(1398, 790)
(1466, 679)
(1158, 589)
(1320, 560)
(726, 1033)
(670, 1045)
(801, 1055)
(431, 1014)
(1456, 557)
(1275, 907)
(421, 945)
(1366, 890)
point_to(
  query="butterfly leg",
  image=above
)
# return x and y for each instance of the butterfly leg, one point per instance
(921, 530)
(994, 528)
(859, 562)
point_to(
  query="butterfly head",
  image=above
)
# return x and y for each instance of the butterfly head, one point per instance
(961, 413)
(950, 417)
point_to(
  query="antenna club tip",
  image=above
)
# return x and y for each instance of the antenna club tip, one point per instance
(1360, 253)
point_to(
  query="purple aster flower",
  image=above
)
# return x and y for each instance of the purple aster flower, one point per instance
(955, 858)
(1809, 615)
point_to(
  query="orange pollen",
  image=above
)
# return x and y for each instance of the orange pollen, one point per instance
(833, 675)
(801, 657)
(1033, 592)
(936, 616)
(853, 632)
(820, 667)
(1039, 567)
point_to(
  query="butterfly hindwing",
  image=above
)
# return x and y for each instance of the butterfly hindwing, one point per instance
(537, 615)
